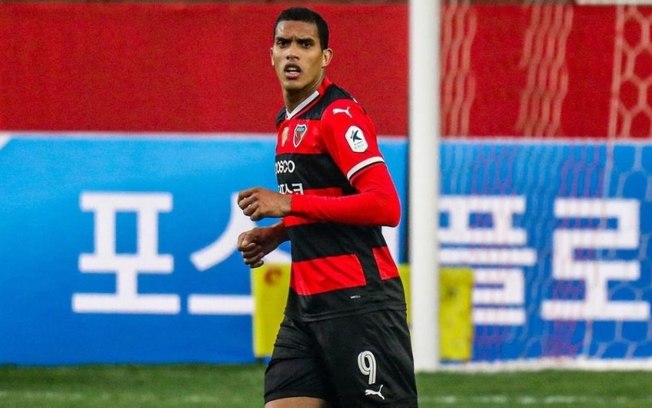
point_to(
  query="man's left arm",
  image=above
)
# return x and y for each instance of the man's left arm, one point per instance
(349, 136)
(375, 203)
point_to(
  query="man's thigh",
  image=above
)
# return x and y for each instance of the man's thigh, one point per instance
(369, 359)
(296, 368)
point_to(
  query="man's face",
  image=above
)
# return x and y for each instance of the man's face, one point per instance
(297, 56)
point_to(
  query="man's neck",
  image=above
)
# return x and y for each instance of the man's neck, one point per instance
(294, 99)
(305, 102)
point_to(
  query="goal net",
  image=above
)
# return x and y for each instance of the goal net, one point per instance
(546, 180)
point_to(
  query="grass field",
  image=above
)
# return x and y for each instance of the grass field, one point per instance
(240, 387)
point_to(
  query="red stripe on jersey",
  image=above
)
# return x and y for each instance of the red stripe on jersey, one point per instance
(326, 274)
(386, 266)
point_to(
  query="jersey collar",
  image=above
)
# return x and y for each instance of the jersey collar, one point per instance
(313, 97)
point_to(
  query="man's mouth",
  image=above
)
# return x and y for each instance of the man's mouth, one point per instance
(292, 71)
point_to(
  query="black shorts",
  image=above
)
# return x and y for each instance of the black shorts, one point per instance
(353, 361)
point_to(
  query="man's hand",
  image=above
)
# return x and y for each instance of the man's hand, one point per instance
(258, 203)
(258, 242)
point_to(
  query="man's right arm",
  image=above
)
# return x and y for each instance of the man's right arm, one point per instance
(260, 241)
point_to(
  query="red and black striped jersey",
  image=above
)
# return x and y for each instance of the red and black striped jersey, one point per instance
(326, 150)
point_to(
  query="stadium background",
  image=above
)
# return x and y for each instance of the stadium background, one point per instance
(157, 111)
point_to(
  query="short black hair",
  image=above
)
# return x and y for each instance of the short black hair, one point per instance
(307, 16)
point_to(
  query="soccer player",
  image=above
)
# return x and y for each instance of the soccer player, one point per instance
(344, 341)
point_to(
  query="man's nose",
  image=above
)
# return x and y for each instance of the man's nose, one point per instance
(292, 52)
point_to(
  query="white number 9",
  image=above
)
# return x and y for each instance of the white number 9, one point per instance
(367, 365)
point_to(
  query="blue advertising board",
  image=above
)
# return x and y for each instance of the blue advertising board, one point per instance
(121, 249)
(557, 235)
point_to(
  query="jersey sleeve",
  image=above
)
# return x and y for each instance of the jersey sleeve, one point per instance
(350, 137)
(376, 202)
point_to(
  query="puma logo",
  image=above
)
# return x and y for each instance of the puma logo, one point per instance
(346, 111)
(376, 393)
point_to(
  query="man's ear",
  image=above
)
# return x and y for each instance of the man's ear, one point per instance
(327, 56)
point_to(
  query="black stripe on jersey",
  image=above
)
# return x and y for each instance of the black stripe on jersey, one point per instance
(314, 171)
(350, 301)
(329, 239)
(332, 94)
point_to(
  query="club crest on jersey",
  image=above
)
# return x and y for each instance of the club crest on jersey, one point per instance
(299, 132)
(355, 137)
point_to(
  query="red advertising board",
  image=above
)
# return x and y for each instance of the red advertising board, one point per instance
(546, 70)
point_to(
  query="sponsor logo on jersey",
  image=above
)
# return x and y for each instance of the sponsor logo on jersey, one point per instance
(356, 139)
(299, 132)
(285, 166)
(345, 111)
(378, 393)
(290, 188)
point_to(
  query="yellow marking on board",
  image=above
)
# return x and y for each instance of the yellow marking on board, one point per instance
(270, 285)
(270, 288)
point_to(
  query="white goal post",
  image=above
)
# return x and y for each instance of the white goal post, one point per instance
(424, 129)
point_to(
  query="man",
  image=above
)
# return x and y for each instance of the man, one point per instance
(344, 341)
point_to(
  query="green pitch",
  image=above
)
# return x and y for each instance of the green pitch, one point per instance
(241, 387)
